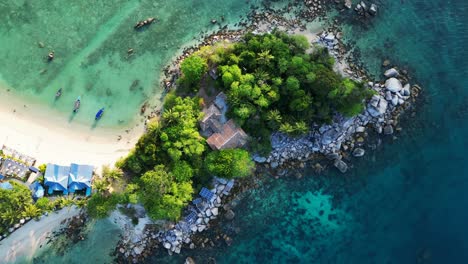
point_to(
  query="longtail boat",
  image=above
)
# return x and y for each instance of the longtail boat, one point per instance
(77, 104)
(99, 114)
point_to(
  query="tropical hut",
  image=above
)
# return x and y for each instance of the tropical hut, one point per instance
(80, 178)
(56, 178)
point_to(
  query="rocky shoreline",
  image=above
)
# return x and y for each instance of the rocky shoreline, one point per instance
(393, 95)
(176, 236)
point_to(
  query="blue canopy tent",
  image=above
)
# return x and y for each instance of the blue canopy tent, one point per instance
(56, 178)
(80, 178)
(6, 186)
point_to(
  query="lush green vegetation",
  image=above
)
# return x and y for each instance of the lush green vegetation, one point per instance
(14, 205)
(273, 83)
(167, 163)
(229, 163)
(17, 203)
(193, 68)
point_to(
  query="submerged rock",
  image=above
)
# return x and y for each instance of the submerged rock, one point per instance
(189, 260)
(348, 4)
(358, 152)
(229, 215)
(340, 165)
(373, 9)
(388, 130)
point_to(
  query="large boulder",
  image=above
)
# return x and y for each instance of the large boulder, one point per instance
(358, 152)
(201, 228)
(329, 37)
(167, 245)
(395, 100)
(229, 215)
(348, 4)
(189, 260)
(340, 165)
(137, 250)
(378, 109)
(393, 85)
(373, 9)
(259, 159)
(214, 211)
(388, 130)
(406, 91)
(391, 73)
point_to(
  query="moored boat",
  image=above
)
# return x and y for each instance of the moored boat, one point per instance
(99, 114)
(77, 104)
(58, 93)
(145, 22)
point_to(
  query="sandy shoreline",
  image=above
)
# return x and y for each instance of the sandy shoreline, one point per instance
(24, 243)
(46, 136)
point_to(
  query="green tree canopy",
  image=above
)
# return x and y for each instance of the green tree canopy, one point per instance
(229, 163)
(193, 68)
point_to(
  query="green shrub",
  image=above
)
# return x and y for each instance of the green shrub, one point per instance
(229, 163)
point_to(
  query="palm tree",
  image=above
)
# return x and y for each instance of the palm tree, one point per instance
(264, 57)
(170, 116)
(261, 76)
(274, 118)
(8, 217)
(286, 128)
(300, 127)
(30, 210)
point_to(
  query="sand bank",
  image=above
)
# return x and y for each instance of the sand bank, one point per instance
(24, 243)
(48, 136)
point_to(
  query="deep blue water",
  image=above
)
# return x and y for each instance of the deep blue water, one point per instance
(407, 201)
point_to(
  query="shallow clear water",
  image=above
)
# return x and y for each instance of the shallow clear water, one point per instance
(404, 200)
(90, 40)
(101, 238)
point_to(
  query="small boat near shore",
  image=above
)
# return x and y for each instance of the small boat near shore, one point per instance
(99, 114)
(145, 22)
(58, 93)
(77, 104)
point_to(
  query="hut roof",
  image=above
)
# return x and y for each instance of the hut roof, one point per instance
(80, 177)
(56, 177)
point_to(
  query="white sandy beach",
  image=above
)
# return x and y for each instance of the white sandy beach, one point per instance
(26, 241)
(36, 131)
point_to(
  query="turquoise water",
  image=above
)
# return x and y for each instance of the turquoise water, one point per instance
(402, 203)
(101, 238)
(90, 40)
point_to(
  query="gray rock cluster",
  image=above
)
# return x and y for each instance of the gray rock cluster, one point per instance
(364, 9)
(174, 238)
(180, 233)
